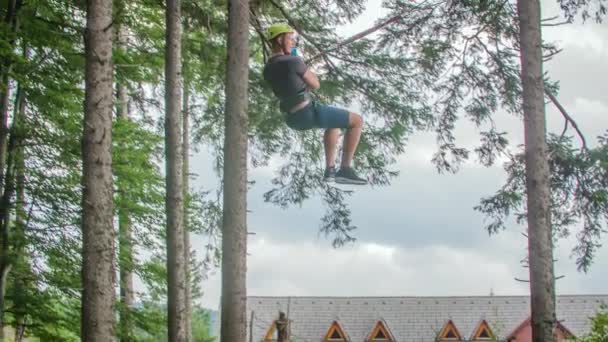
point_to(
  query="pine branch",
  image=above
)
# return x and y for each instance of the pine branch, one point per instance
(567, 117)
(550, 55)
(78, 29)
(556, 24)
(255, 22)
(565, 128)
(545, 22)
(359, 35)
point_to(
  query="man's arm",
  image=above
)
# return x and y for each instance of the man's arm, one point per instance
(309, 77)
(311, 80)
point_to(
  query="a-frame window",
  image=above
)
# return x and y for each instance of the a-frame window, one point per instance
(449, 332)
(271, 333)
(380, 334)
(483, 332)
(335, 333)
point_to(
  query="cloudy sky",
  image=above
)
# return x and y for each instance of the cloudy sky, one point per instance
(421, 236)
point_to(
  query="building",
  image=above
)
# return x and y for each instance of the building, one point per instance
(413, 319)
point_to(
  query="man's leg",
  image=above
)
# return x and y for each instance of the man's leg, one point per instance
(330, 140)
(333, 118)
(347, 175)
(351, 139)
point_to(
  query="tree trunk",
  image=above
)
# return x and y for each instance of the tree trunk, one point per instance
(20, 330)
(126, 275)
(19, 279)
(11, 241)
(125, 235)
(540, 246)
(5, 68)
(187, 249)
(98, 273)
(234, 222)
(20, 220)
(176, 267)
(5, 268)
(4, 99)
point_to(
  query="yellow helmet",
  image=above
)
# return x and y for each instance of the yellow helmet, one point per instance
(277, 29)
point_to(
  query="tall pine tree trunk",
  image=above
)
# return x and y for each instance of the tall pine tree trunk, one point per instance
(125, 235)
(187, 249)
(20, 282)
(5, 67)
(8, 255)
(11, 21)
(98, 273)
(13, 241)
(176, 267)
(540, 246)
(234, 222)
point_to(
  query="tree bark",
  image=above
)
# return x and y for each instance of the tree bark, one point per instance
(540, 246)
(20, 220)
(18, 240)
(234, 222)
(98, 269)
(5, 68)
(125, 235)
(126, 275)
(11, 241)
(6, 255)
(176, 267)
(187, 249)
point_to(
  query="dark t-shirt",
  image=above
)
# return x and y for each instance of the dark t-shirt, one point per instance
(284, 73)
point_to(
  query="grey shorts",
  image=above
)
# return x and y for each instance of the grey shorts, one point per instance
(316, 115)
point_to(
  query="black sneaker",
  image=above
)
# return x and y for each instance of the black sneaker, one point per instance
(348, 176)
(330, 174)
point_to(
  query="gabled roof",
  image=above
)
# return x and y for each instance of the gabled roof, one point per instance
(380, 330)
(411, 318)
(565, 331)
(482, 332)
(336, 333)
(449, 332)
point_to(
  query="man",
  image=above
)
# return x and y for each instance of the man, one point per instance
(291, 80)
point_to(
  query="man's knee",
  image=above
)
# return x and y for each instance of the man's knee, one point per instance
(355, 120)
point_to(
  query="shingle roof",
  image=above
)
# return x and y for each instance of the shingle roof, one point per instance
(411, 319)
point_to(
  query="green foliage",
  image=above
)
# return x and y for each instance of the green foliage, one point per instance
(152, 324)
(599, 328)
(201, 326)
(44, 284)
(579, 179)
(586, 9)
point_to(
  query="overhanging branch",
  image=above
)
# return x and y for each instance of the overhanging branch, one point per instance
(255, 22)
(566, 116)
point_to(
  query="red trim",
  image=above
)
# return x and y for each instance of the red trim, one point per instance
(528, 321)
